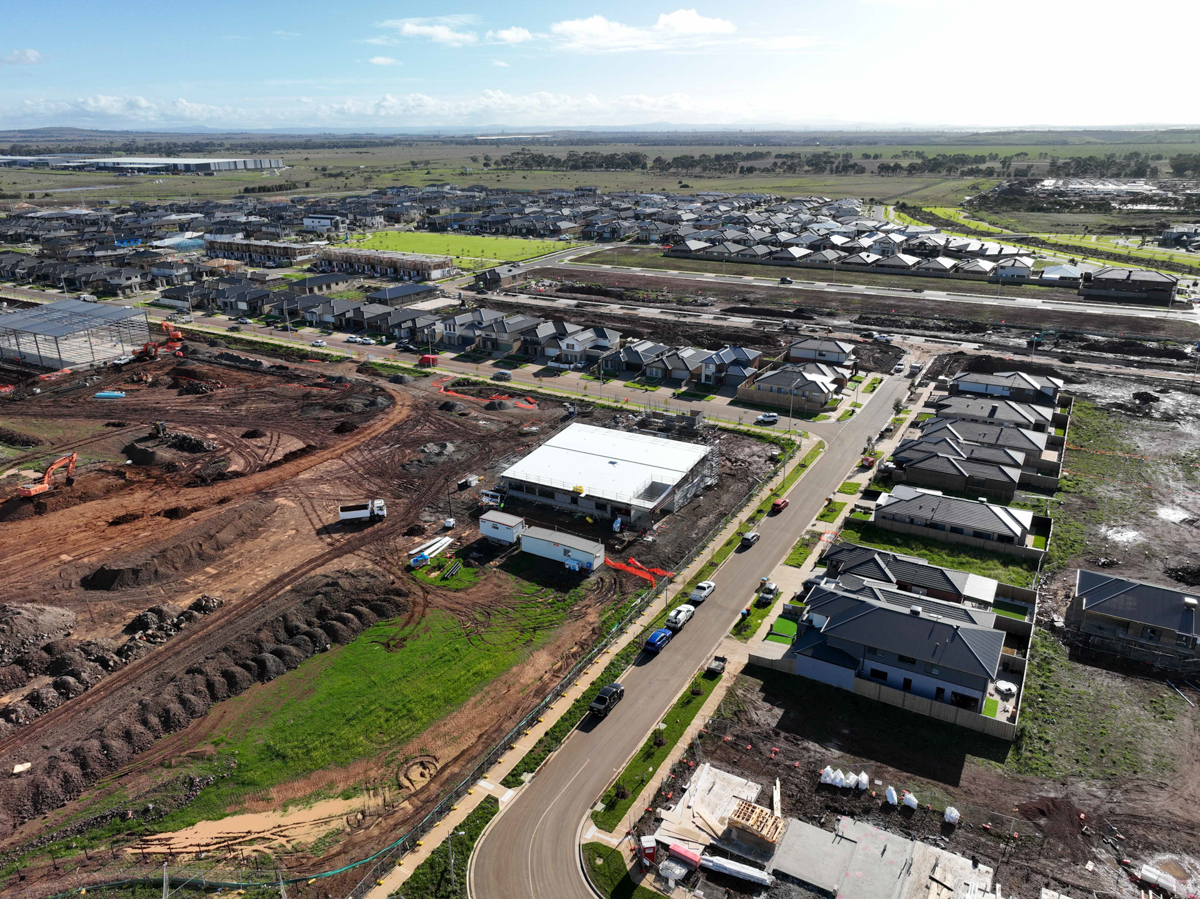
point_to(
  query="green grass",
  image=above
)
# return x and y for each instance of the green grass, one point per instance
(851, 487)
(1082, 722)
(991, 707)
(431, 879)
(468, 251)
(284, 729)
(385, 369)
(846, 416)
(1039, 541)
(608, 873)
(747, 624)
(643, 767)
(924, 416)
(785, 626)
(830, 513)
(432, 574)
(1010, 610)
(821, 416)
(1008, 569)
(802, 550)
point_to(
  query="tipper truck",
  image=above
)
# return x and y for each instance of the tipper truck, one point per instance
(370, 511)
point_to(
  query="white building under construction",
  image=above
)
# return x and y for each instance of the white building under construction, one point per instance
(612, 474)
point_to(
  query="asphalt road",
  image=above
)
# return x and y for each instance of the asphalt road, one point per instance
(531, 850)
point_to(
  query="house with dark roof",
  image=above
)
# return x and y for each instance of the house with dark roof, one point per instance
(404, 294)
(910, 574)
(730, 365)
(941, 652)
(1011, 385)
(949, 519)
(810, 387)
(1008, 447)
(1135, 622)
(994, 473)
(1033, 417)
(323, 283)
(1129, 284)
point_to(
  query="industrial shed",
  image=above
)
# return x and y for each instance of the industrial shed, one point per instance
(71, 333)
(612, 474)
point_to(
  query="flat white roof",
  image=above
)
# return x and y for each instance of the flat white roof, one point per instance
(609, 464)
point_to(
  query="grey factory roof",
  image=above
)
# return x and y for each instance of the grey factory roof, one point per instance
(66, 317)
(1119, 598)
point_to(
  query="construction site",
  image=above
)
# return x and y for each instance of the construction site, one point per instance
(183, 606)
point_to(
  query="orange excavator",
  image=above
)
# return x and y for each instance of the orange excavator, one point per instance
(46, 484)
(173, 343)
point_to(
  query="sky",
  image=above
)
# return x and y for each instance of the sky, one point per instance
(128, 64)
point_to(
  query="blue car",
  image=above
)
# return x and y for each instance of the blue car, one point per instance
(658, 640)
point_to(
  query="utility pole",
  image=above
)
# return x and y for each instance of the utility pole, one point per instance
(166, 883)
(450, 843)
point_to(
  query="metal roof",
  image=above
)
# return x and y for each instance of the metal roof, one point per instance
(562, 538)
(66, 317)
(1134, 601)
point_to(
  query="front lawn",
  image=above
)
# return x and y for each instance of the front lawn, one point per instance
(851, 487)
(803, 549)
(830, 513)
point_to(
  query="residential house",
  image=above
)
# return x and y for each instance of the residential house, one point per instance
(460, 330)
(820, 349)
(327, 313)
(934, 516)
(810, 387)
(1033, 417)
(911, 574)
(634, 356)
(1013, 385)
(1132, 621)
(945, 465)
(403, 294)
(681, 364)
(323, 284)
(730, 365)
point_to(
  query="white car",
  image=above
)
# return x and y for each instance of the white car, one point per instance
(767, 418)
(703, 591)
(680, 616)
(352, 339)
(366, 341)
(319, 343)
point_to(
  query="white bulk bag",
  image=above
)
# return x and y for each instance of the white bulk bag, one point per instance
(952, 815)
(891, 795)
(910, 800)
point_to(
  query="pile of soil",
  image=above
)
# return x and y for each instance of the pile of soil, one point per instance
(23, 625)
(324, 610)
(15, 438)
(253, 434)
(197, 546)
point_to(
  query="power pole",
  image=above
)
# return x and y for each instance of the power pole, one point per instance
(166, 883)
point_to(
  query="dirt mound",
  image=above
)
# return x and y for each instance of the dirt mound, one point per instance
(1060, 819)
(126, 518)
(451, 406)
(177, 513)
(498, 404)
(1184, 571)
(253, 434)
(989, 365)
(198, 545)
(24, 625)
(1149, 348)
(401, 379)
(15, 438)
(345, 427)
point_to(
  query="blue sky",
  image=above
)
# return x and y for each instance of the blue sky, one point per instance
(376, 65)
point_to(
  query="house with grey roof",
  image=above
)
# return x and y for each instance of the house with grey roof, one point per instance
(945, 465)
(910, 574)
(810, 387)
(949, 519)
(730, 365)
(940, 659)
(1118, 619)
(997, 411)
(1011, 385)
(820, 349)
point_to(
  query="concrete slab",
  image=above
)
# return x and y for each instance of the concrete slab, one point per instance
(856, 862)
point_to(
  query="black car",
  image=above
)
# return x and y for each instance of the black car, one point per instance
(606, 699)
(786, 281)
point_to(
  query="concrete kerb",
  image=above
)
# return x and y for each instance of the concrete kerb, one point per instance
(581, 685)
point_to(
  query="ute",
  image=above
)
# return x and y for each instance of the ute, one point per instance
(606, 699)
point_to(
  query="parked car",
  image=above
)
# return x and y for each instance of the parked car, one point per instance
(779, 505)
(366, 341)
(319, 343)
(680, 616)
(353, 338)
(767, 418)
(234, 328)
(244, 321)
(703, 591)
(750, 539)
(898, 368)
(768, 593)
(606, 700)
(502, 376)
(786, 281)
(659, 639)
(882, 338)
(867, 335)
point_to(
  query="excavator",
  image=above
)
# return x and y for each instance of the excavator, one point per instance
(172, 343)
(46, 484)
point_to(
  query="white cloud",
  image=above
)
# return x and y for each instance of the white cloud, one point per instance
(385, 61)
(500, 62)
(382, 41)
(22, 58)
(445, 30)
(684, 29)
(514, 35)
(287, 35)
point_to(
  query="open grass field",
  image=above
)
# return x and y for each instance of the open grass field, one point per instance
(469, 251)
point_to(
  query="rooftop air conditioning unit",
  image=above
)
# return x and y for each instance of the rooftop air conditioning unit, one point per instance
(914, 610)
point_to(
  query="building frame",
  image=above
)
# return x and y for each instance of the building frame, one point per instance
(71, 333)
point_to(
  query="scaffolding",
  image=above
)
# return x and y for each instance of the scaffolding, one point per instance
(71, 333)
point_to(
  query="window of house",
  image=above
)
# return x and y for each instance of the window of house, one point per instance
(877, 674)
(940, 694)
(981, 535)
(907, 660)
(1183, 640)
(574, 499)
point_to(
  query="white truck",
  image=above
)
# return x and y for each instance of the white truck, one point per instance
(370, 511)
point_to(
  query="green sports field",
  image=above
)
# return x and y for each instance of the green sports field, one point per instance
(470, 252)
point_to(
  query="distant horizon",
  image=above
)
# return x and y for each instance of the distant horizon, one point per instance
(379, 65)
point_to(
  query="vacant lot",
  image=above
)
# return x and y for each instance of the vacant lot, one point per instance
(469, 251)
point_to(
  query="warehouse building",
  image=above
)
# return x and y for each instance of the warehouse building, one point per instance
(177, 164)
(71, 333)
(612, 474)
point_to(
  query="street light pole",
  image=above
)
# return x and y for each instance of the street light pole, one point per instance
(450, 843)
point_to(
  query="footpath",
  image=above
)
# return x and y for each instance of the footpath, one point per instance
(489, 785)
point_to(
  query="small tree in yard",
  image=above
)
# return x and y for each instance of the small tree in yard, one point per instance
(897, 406)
